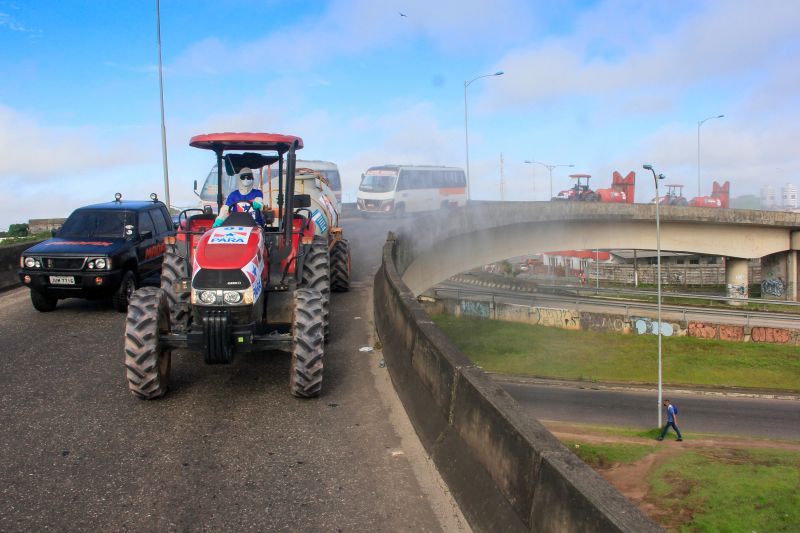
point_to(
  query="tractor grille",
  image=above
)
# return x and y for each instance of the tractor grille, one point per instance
(207, 278)
(64, 263)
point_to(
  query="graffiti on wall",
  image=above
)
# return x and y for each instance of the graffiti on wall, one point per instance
(473, 308)
(731, 333)
(702, 330)
(774, 335)
(737, 291)
(644, 326)
(555, 318)
(773, 287)
(600, 322)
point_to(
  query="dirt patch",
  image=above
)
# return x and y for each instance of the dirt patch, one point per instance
(631, 479)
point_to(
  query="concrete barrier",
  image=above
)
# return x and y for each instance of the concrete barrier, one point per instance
(9, 264)
(505, 469)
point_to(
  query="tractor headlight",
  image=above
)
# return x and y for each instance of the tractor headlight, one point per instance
(207, 297)
(30, 262)
(233, 297)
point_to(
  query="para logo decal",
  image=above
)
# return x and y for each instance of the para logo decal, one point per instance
(319, 220)
(230, 235)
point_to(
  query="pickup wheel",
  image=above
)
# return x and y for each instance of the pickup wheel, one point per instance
(42, 302)
(124, 293)
(147, 362)
(340, 266)
(316, 275)
(305, 377)
(175, 267)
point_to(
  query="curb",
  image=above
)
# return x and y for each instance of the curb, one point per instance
(624, 387)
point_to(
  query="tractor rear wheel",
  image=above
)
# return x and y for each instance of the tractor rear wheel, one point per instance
(340, 266)
(305, 378)
(174, 268)
(316, 275)
(147, 362)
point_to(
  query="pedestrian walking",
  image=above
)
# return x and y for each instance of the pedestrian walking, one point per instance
(672, 420)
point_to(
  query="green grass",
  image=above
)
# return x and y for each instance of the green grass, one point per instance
(522, 349)
(10, 241)
(606, 455)
(729, 490)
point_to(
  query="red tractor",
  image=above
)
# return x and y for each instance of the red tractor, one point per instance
(674, 196)
(580, 192)
(238, 287)
(621, 190)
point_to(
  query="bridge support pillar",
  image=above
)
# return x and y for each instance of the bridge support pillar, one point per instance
(736, 279)
(779, 276)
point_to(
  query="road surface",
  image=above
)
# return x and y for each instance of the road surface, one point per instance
(229, 449)
(697, 413)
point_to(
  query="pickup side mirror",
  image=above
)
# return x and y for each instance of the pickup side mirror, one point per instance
(302, 200)
(195, 185)
(147, 234)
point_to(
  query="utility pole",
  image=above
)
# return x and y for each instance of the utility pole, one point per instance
(161, 93)
(502, 180)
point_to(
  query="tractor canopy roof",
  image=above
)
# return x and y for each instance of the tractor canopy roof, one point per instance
(246, 141)
(579, 176)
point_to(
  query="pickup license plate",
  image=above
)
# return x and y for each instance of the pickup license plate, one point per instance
(62, 280)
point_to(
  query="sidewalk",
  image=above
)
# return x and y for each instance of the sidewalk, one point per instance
(647, 387)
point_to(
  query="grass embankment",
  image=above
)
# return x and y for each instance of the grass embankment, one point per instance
(526, 350)
(715, 488)
(10, 241)
(728, 490)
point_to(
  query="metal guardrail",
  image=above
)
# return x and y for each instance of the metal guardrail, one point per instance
(490, 295)
(639, 292)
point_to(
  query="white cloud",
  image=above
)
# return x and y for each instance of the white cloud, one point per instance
(33, 150)
(350, 27)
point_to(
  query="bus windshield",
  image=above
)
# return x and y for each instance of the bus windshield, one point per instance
(378, 183)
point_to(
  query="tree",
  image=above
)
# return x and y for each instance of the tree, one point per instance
(18, 230)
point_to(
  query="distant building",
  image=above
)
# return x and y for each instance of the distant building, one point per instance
(39, 225)
(768, 197)
(789, 196)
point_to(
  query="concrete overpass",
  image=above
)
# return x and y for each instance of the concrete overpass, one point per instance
(485, 232)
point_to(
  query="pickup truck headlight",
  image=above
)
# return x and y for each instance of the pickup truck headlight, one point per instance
(98, 263)
(32, 262)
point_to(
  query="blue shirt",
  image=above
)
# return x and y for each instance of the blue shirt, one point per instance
(670, 413)
(235, 197)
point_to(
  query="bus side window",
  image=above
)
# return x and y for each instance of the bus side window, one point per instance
(402, 181)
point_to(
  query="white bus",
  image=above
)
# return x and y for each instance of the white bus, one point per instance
(208, 193)
(400, 189)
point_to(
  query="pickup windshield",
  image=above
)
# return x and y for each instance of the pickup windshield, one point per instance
(108, 224)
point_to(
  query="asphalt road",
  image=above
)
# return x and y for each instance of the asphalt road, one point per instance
(697, 413)
(229, 449)
(597, 305)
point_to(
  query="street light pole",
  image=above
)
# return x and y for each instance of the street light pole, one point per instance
(550, 169)
(700, 123)
(658, 282)
(534, 178)
(466, 125)
(161, 93)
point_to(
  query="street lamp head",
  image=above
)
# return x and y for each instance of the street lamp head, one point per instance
(720, 116)
(499, 73)
(529, 162)
(647, 166)
(571, 166)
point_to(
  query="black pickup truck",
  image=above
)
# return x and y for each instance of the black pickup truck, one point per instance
(102, 250)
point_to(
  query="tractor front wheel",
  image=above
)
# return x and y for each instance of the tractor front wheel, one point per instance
(305, 378)
(174, 268)
(147, 362)
(340, 266)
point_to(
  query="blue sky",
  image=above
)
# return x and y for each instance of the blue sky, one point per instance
(604, 85)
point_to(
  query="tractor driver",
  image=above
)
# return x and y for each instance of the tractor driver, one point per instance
(245, 199)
